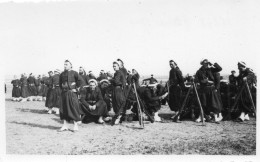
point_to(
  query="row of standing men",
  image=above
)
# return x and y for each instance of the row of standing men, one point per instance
(96, 99)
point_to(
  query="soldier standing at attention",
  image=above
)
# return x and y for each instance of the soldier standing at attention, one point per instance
(70, 82)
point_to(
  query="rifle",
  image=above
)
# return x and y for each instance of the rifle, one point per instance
(140, 114)
(183, 105)
(198, 99)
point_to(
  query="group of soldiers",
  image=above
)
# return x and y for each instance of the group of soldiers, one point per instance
(81, 97)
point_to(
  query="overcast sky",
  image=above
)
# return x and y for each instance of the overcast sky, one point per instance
(145, 34)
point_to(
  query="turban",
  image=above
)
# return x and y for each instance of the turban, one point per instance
(92, 80)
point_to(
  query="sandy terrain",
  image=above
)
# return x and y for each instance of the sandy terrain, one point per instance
(30, 130)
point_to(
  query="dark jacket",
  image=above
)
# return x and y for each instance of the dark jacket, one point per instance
(89, 97)
(118, 79)
(151, 99)
(176, 78)
(16, 83)
(37, 82)
(232, 79)
(251, 78)
(70, 80)
(101, 77)
(24, 81)
(55, 80)
(31, 80)
(204, 74)
(85, 79)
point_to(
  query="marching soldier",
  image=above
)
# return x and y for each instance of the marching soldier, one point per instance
(209, 96)
(176, 85)
(69, 82)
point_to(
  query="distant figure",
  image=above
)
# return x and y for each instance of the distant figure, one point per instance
(16, 92)
(151, 80)
(31, 87)
(91, 75)
(102, 75)
(84, 76)
(233, 78)
(5, 88)
(24, 88)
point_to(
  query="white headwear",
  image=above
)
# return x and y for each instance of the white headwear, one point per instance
(93, 80)
(242, 63)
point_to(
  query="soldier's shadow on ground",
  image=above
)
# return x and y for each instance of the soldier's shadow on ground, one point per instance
(37, 111)
(36, 125)
(57, 120)
(8, 99)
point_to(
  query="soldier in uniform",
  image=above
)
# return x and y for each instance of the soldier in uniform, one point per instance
(102, 75)
(44, 86)
(244, 104)
(118, 96)
(49, 96)
(16, 92)
(38, 88)
(232, 78)
(106, 92)
(152, 97)
(24, 88)
(91, 75)
(209, 95)
(176, 86)
(150, 80)
(70, 82)
(92, 103)
(31, 87)
(84, 76)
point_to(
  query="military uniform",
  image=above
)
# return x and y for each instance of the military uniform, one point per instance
(69, 81)
(91, 97)
(16, 92)
(210, 99)
(176, 86)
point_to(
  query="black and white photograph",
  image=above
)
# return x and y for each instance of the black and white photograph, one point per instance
(149, 80)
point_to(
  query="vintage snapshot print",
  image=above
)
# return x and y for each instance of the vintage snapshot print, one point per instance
(176, 78)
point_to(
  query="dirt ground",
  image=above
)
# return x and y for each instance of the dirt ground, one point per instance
(30, 130)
